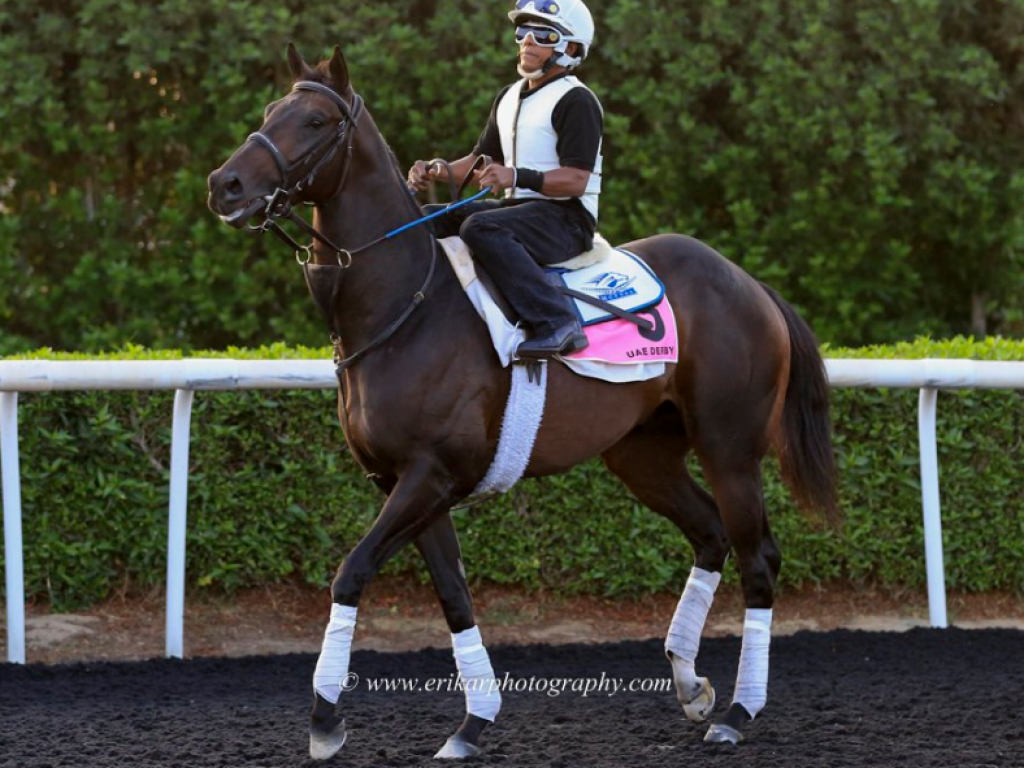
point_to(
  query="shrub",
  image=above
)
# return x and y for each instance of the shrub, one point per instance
(273, 496)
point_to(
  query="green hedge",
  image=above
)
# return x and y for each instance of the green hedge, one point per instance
(865, 157)
(273, 496)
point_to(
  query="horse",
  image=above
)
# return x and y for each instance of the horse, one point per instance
(421, 397)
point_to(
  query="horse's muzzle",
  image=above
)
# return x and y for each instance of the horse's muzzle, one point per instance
(229, 200)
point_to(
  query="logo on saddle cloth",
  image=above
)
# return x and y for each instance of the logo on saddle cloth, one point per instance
(609, 286)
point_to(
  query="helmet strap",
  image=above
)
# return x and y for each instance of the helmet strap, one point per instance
(567, 61)
(537, 74)
(556, 59)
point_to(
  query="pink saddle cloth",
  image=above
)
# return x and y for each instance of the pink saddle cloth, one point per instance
(621, 342)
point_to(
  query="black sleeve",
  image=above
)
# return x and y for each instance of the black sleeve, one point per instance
(489, 142)
(579, 123)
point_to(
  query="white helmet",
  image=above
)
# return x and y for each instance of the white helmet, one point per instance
(570, 17)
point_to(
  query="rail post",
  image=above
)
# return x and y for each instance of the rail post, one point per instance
(926, 417)
(13, 544)
(177, 517)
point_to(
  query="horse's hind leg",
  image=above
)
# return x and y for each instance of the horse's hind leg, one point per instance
(651, 461)
(735, 477)
(439, 545)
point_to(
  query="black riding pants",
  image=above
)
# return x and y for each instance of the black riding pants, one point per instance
(511, 242)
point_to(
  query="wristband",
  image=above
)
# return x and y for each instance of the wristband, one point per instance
(527, 178)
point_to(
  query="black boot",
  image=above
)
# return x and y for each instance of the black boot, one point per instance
(565, 340)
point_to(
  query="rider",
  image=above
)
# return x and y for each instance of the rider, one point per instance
(544, 137)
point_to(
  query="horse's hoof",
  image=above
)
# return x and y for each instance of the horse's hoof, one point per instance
(326, 744)
(327, 732)
(719, 733)
(728, 730)
(456, 748)
(700, 704)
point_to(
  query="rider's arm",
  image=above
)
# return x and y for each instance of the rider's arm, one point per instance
(565, 182)
(579, 123)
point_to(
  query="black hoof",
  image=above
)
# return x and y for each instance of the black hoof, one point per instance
(728, 731)
(327, 732)
(464, 742)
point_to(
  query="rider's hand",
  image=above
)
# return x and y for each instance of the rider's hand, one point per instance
(497, 177)
(421, 176)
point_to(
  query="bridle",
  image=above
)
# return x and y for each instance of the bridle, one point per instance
(279, 203)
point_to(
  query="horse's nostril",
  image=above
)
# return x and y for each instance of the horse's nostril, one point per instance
(231, 187)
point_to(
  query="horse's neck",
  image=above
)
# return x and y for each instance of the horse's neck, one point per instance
(382, 280)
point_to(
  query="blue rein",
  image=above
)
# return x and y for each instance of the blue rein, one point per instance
(435, 214)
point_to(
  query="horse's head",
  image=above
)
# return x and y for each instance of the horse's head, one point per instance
(296, 155)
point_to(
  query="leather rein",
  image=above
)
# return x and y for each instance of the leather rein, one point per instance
(279, 205)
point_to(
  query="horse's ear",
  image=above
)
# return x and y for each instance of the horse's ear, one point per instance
(339, 71)
(298, 67)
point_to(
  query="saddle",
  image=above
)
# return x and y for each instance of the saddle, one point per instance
(601, 284)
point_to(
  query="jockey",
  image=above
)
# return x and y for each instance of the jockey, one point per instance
(544, 138)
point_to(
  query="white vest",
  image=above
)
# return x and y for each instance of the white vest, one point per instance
(528, 138)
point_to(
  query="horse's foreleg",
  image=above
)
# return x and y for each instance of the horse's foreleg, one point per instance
(422, 493)
(439, 546)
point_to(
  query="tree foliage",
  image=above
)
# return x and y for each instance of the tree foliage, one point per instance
(863, 156)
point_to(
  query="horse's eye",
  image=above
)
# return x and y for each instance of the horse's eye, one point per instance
(316, 123)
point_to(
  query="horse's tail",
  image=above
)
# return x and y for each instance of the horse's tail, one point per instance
(804, 445)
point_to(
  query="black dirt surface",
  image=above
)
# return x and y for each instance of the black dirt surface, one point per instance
(924, 698)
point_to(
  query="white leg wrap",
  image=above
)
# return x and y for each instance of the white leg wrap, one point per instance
(483, 698)
(332, 666)
(752, 678)
(691, 614)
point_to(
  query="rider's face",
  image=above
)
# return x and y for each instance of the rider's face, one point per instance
(531, 55)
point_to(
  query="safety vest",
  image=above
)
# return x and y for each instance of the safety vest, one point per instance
(529, 140)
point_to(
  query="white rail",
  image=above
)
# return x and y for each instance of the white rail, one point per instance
(186, 377)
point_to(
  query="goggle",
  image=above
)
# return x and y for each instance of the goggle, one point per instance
(550, 7)
(546, 37)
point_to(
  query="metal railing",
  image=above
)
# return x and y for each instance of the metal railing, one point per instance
(186, 377)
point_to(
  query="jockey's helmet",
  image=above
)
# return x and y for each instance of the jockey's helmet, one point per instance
(570, 17)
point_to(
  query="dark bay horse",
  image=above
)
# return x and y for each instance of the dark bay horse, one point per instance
(422, 395)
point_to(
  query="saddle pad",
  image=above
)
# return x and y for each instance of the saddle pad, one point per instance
(621, 279)
(620, 342)
(633, 357)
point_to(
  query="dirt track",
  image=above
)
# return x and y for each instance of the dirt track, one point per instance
(923, 698)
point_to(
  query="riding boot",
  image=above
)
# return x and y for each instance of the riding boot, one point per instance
(564, 340)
